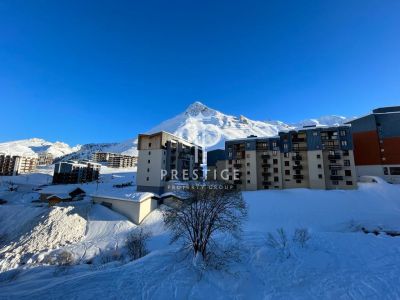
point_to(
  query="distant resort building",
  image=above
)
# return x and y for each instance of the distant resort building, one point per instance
(11, 165)
(55, 194)
(376, 139)
(76, 171)
(312, 157)
(45, 159)
(163, 152)
(115, 160)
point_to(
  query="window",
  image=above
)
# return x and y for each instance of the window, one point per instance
(230, 169)
(149, 145)
(334, 172)
(344, 143)
(148, 161)
(230, 161)
(285, 146)
(274, 144)
(287, 172)
(230, 155)
(149, 152)
(248, 145)
(248, 172)
(335, 182)
(320, 176)
(342, 132)
(315, 133)
(395, 171)
(274, 153)
(286, 163)
(276, 179)
(347, 172)
(345, 152)
(298, 181)
(319, 166)
(275, 161)
(275, 170)
(286, 155)
(230, 177)
(148, 169)
(349, 182)
(318, 155)
(248, 181)
(147, 178)
(346, 162)
(248, 164)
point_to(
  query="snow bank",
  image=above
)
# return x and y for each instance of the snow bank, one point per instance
(56, 227)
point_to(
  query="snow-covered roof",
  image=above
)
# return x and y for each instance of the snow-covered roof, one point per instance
(61, 196)
(126, 196)
(60, 189)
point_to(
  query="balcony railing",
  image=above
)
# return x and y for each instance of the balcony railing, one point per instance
(237, 166)
(298, 140)
(265, 156)
(298, 167)
(266, 165)
(336, 177)
(297, 176)
(335, 167)
(266, 182)
(297, 157)
(266, 174)
(334, 156)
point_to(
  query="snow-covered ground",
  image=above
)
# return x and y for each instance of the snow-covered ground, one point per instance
(339, 261)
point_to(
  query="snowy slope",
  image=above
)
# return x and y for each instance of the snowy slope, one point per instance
(339, 261)
(198, 123)
(31, 147)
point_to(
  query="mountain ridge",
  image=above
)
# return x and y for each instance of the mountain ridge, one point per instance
(198, 123)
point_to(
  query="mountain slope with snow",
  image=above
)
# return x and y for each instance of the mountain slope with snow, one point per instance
(198, 123)
(31, 147)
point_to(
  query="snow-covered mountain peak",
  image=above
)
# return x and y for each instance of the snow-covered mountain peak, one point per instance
(198, 123)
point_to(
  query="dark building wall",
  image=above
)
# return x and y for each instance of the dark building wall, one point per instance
(366, 148)
(376, 137)
(214, 155)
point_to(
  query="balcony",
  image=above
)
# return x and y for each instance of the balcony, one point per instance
(334, 156)
(336, 177)
(265, 156)
(238, 166)
(298, 167)
(335, 167)
(298, 140)
(297, 157)
(266, 165)
(297, 176)
(266, 174)
(267, 183)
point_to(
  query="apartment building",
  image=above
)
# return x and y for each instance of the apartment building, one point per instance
(115, 160)
(76, 171)
(11, 165)
(164, 157)
(45, 159)
(314, 157)
(376, 139)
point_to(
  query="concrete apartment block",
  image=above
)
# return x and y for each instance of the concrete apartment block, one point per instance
(315, 157)
(163, 153)
(376, 139)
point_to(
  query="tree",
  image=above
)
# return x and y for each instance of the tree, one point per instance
(210, 208)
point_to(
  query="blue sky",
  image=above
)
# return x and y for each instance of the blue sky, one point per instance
(106, 70)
